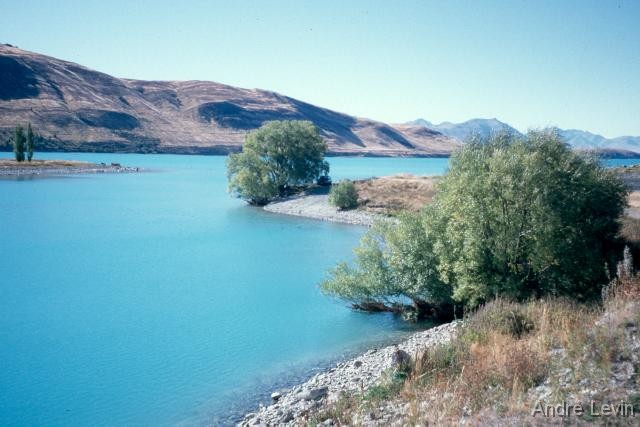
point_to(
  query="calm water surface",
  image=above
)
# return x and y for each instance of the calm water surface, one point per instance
(157, 299)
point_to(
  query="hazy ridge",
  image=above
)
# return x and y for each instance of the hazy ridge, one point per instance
(578, 139)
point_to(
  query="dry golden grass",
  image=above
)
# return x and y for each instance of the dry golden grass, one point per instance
(391, 194)
(630, 230)
(634, 199)
(497, 361)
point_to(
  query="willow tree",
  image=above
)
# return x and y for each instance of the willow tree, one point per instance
(396, 270)
(514, 216)
(275, 159)
(527, 216)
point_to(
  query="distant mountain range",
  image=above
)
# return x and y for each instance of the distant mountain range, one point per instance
(462, 131)
(79, 109)
(581, 139)
(578, 139)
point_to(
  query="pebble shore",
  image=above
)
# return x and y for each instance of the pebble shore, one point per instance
(354, 375)
(316, 206)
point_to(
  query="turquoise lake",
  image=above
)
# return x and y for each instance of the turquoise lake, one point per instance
(157, 299)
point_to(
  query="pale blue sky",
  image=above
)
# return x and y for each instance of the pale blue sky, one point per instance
(574, 64)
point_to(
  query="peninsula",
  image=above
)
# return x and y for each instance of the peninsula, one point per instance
(9, 168)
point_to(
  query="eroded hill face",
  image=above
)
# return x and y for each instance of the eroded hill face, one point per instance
(78, 109)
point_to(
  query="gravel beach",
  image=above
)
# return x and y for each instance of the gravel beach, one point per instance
(290, 407)
(315, 205)
(10, 168)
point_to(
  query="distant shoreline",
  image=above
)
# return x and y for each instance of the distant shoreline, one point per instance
(11, 168)
(225, 150)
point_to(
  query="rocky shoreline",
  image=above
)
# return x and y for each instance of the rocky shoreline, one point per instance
(315, 205)
(293, 406)
(10, 168)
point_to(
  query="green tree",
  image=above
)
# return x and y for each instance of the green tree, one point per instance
(250, 178)
(30, 142)
(395, 270)
(19, 142)
(526, 216)
(514, 216)
(276, 159)
(344, 195)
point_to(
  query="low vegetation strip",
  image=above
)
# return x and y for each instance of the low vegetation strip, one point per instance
(631, 177)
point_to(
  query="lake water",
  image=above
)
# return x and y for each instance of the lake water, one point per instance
(158, 299)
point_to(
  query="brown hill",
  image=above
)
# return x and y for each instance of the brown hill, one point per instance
(78, 109)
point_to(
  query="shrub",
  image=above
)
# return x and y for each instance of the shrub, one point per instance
(630, 230)
(504, 317)
(344, 195)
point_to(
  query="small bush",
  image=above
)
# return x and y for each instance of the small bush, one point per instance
(391, 384)
(442, 360)
(504, 317)
(341, 411)
(344, 195)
